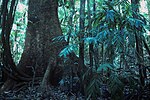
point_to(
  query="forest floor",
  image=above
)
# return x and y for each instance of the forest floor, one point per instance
(51, 93)
(30, 92)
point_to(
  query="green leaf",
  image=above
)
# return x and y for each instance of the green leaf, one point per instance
(105, 67)
(67, 50)
(139, 23)
(115, 84)
(110, 15)
(135, 22)
(90, 40)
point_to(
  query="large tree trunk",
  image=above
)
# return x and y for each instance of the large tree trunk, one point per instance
(43, 26)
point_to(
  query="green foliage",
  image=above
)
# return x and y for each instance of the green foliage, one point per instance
(92, 84)
(68, 50)
(105, 67)
(110, 15)
(113, 35)
(116, 81)
(90, 40)
(17, 36)
(93, 88)
(113, 27)
(116, 86)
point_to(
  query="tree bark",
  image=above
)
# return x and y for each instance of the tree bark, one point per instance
(139, 44)
(90, 34)
(81, 44)
(81, 36)
(43, 26)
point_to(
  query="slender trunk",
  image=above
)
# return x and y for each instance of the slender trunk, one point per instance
(81, 35)
(72, 12)
(7, 18)
(90, 35)
(139, 45)
(70, 31)
(46, 77)
(96, 50)
(81, 44)
(7, 22)
(139, 50)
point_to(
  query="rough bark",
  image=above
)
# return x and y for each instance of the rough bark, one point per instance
(43, 26)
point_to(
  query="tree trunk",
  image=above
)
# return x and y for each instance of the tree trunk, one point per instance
(90, 34)
(139, 44)
(43, 26)
(81, 44)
